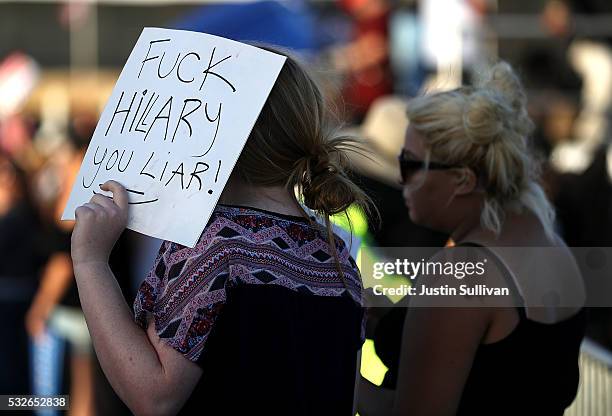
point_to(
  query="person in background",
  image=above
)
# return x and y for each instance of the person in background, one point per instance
(365, 60)
(581, 174)
(54, 320)
(20, 263)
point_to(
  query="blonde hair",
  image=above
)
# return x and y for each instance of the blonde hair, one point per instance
(295, 144)
(486, 128)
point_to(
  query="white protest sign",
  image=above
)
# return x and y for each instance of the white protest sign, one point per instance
(173, 128)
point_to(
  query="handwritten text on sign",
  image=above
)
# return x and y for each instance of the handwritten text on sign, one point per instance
(174, 127)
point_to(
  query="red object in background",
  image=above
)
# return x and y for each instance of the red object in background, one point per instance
(74, 15)
(18, 76)
(373, 78)
(352, 5)
(14, 135)
(480, 7)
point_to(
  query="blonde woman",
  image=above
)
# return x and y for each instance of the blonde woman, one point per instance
(263, 316)
(467, 171)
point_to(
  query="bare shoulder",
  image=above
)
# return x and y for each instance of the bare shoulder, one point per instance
(544, 271)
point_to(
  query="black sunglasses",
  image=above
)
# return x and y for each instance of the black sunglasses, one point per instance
(409, 167)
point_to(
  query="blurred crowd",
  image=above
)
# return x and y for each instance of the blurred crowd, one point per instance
(373, 54)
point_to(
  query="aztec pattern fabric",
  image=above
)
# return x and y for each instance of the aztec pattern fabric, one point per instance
(187, 287)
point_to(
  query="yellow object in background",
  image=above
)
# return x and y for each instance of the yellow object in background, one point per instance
(372, 368)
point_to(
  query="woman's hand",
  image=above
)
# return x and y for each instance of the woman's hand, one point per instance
(37, 317)
(99, 223)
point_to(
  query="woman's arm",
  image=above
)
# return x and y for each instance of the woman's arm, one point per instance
(54, 282)
(438, 348)
(149, 376)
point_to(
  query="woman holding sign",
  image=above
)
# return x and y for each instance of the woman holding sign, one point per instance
(263, 315)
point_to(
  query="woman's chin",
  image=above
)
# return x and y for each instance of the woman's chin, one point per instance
(416, 218)
(412, 214)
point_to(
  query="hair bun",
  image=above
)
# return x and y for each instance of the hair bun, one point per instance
(502, 80)
(486, 117)
(319, 164)
(497, 107)
(324, 184)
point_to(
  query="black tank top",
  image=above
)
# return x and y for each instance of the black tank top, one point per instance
(532, 371)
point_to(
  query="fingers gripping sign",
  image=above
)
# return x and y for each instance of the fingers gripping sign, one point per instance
(99, 223)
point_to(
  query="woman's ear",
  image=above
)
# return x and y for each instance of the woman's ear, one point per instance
(465, 181)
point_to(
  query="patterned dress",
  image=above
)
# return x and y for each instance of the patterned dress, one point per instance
(260, 305)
